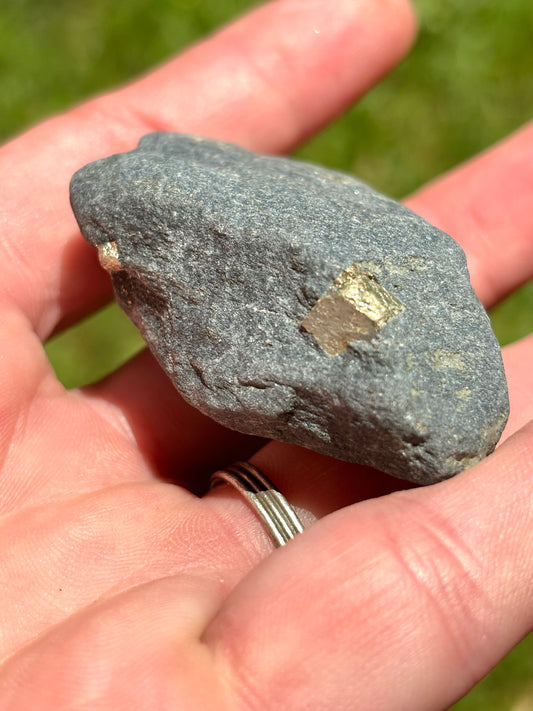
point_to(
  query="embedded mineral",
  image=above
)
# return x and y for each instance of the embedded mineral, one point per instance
(297, 303)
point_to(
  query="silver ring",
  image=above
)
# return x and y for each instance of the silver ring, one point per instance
(281, 520)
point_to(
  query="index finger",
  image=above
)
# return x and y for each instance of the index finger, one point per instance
(485, 204)
(266, 82)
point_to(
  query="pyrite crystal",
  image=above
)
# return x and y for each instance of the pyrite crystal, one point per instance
(297, 303)
(355, 306)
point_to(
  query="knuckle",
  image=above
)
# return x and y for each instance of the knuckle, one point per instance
(445, 576)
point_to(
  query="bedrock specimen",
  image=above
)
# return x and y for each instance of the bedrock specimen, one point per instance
(297, 303)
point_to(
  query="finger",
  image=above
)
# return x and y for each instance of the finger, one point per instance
(315, 486)
(265, 82)
(486, 206)
(427, 589)
(319, 484)
(139, 650)
(53, 444)
(61, 558)
(517, 359)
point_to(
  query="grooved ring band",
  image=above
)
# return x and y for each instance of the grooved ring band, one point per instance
(280, 519)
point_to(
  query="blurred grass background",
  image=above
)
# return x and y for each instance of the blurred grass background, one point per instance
(467, 83)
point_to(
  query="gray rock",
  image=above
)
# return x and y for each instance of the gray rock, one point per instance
(297, 303)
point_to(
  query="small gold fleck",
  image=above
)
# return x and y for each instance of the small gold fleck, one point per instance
(463, 394)
(108, 256)
(355, 307)
(444, 359)
(410, 361)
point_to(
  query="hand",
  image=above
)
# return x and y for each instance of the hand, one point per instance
(121, 591)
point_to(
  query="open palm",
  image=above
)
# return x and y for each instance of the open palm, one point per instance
(120, 588)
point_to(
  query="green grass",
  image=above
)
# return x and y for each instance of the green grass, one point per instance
(467, 83)
(508, 687)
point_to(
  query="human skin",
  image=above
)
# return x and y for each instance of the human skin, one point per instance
(120, 588)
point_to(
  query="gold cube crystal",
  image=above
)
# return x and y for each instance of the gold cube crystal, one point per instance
(355, 307)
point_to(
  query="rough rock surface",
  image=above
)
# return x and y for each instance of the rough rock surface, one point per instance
(220, 255)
